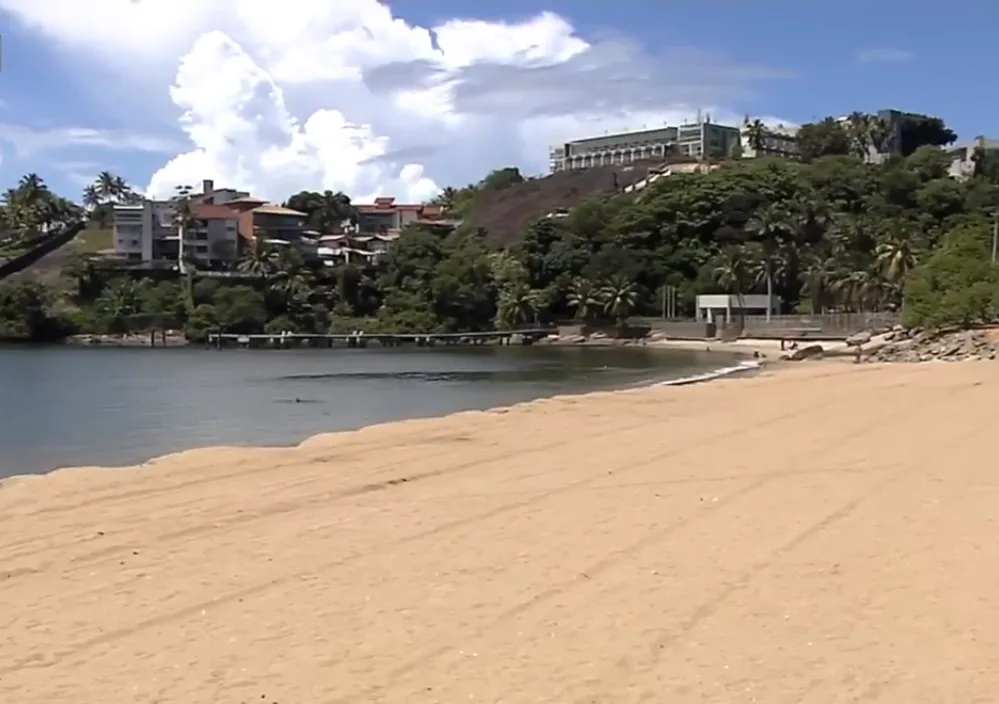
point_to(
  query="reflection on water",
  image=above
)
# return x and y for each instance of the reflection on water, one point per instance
(64, 407)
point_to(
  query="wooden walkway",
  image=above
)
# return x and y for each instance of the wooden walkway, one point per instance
(290, 340)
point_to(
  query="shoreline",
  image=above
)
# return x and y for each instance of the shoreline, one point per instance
(624, 534)
(741, 368)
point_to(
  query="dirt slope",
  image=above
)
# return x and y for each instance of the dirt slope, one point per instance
(505, 214)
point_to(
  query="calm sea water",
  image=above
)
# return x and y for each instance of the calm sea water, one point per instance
(66, 407)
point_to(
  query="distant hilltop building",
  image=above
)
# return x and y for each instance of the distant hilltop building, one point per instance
(761, 140)
(697, 140)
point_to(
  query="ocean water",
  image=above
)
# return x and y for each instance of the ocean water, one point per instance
(62, 406)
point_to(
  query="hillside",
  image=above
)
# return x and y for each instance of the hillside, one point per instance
(42, 247)
(506, 213)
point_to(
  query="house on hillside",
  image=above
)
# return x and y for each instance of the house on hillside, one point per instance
(386, 216)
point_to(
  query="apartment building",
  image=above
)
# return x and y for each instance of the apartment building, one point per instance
(272, 223)
(146, 232)
(700, 139)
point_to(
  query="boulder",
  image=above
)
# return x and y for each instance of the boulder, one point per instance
(861, 338)
(807, 352)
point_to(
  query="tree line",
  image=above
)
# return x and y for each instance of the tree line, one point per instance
(832, 232)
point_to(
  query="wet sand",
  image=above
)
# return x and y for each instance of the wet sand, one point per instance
(823, 534)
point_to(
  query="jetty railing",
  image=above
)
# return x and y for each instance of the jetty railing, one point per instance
(525, 336)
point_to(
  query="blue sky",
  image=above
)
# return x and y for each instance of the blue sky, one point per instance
(74, 101)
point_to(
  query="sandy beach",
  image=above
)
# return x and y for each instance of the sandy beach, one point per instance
(821, 534)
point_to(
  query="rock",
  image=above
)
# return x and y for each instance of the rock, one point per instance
(861, 338)
(924, 345)
(807, 352)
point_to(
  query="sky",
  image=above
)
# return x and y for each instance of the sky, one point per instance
(403, 97)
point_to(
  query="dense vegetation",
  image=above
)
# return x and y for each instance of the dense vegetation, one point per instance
(831, 232)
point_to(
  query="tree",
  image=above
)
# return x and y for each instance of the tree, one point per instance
(769, 224)
(517, 305)
(183, 220)
(325, 211)
(826, 138)
(897, 254)
(956, 285)
(584, 298)
(502, 178)
(259, 259)
(731, 271)
(755, 133)
(619, 296)
(922, 130)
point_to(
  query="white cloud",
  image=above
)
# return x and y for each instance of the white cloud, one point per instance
(28, 141)
(884, 55)
(392, 109)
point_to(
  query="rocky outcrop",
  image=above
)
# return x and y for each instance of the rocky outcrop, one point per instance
(917, 345)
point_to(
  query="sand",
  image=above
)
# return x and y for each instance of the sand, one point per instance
(822, 534)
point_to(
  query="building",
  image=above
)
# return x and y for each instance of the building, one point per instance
(146, 232)
(213, 235)
(386, 216)
(217, 196)
(697, 140)
(379, 224)
(720, 307)
(776, 141)
(962, 156)
(272, 223)
(358, 249)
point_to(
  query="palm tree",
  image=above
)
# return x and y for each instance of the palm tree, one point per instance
(121, 188)
(290, 278)
(769, 224)
(732, 272)
(91, 198)
(517, 304)
(31, 187)
(756, 134)
(121, 300)
(258, 260)
(183, 219)
(618, 296)
(584, 298)
(106, 185)
(30, 206)
(896, 255)
(818, 277)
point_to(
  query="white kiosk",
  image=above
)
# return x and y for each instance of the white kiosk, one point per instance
(719, 307)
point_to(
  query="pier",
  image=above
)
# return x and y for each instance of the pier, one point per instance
(362, 339)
